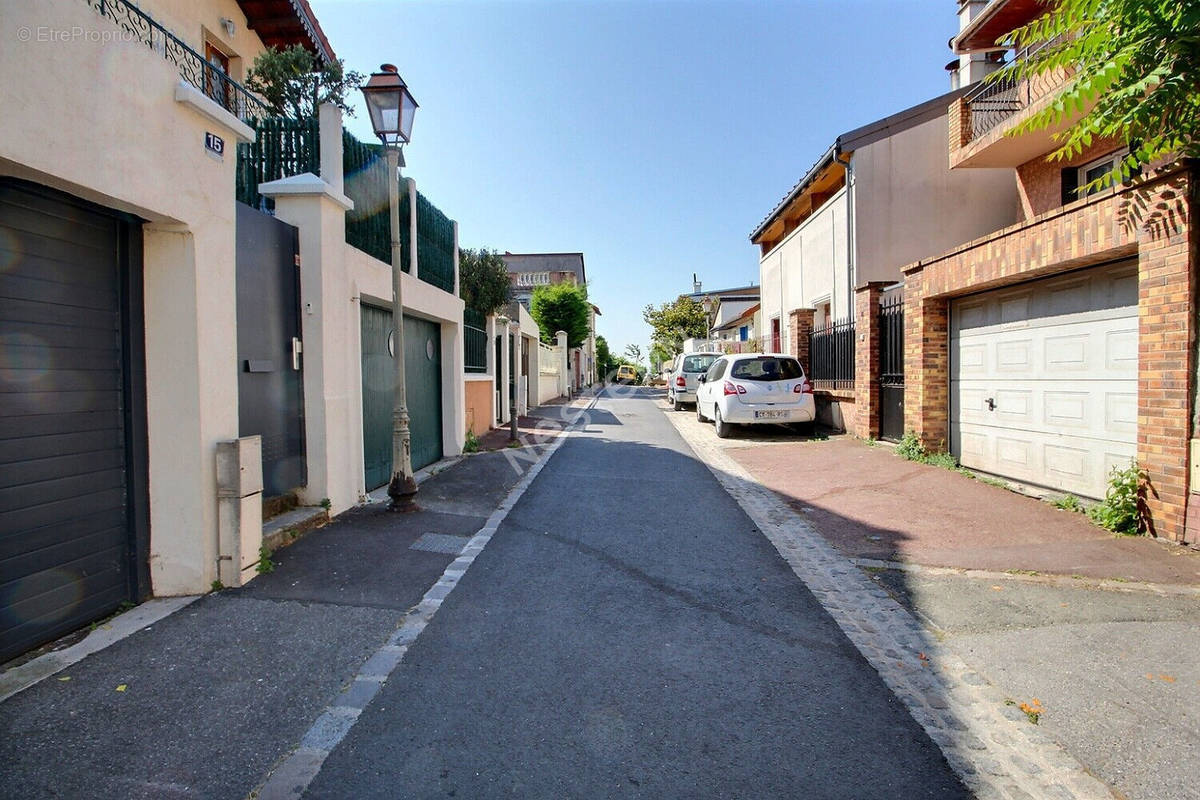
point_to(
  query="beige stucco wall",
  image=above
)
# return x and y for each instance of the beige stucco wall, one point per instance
(910, 205)
(98, 119)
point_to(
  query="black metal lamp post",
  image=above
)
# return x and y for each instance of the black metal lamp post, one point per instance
(392, 108)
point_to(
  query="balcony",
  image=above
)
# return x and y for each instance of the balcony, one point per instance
(980, 121)
(193, 68)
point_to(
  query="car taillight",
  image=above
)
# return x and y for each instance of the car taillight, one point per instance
(803, 387)
(681, 381)
(730, 388)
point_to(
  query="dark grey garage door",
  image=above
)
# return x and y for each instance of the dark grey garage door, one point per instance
(70, 426)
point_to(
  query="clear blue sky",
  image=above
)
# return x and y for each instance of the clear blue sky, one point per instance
(651, 135)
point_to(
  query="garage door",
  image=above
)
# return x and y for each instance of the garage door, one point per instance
(1043, 379)
(67, 417)
(422, 366)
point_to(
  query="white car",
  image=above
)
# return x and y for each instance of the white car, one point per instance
(685, 377)
(755, 388)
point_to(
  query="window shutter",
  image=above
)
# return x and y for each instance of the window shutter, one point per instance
(1070, 184)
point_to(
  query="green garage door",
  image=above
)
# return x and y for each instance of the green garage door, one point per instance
(423, 373)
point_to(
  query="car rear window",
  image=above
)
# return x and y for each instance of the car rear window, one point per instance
(698, 363)
(767, 368)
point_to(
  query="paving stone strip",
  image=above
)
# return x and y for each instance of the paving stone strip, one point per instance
(293, 775)
(991, 745)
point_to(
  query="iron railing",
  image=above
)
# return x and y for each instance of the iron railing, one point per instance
(891, 339)
(831, 351)
(192, 66)
(475, 341)
(993, 101)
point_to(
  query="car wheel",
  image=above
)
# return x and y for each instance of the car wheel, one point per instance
(671, 401)
(719, 425)
(699, 413)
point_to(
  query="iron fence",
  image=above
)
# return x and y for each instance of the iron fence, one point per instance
(475, 341)
(138, 26)
(995, 100)
(831, 352)
(282, 147)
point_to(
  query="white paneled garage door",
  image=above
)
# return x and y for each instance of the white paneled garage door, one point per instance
(1043, 379)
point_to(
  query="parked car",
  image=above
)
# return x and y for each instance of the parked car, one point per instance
(626, 374)
(685, 377)
(755, 388)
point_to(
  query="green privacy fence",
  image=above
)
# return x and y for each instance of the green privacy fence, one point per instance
(281, 148)
(286, 147)
(474, 340)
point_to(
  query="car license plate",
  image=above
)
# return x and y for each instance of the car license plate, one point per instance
(772, 414)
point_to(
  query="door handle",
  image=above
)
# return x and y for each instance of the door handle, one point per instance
(991, 404)
(297, 349)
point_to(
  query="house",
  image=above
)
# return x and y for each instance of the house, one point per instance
(1055, 348)
(739, 334)
(878, 198)
(174, 355)
(527, 271)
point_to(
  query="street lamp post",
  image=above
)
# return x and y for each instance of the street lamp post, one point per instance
(392, 107)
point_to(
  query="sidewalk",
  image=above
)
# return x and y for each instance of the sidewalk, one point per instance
(1103, 631)
(208, 700)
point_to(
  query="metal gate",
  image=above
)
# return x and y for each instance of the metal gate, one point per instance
(74, 516)
(891, 366)
(423, 379)
(270, 381)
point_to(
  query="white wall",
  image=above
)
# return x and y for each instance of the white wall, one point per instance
(809, 259)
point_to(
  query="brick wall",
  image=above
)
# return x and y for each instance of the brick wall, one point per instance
(800, 325)
(1152, 221)
(1039, 182)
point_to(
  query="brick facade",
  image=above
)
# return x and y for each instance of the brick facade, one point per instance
(1039, 182)
(800, 325)
(866, 359)
(1153, 222)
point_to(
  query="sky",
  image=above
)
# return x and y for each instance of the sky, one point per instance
(650, 135)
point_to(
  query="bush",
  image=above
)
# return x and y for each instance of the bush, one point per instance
(1068, 502)
(910, 448)
(1119, 511)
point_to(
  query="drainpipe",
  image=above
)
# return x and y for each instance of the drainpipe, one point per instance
(851, 245)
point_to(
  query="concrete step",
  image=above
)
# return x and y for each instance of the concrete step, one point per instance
(282, 530)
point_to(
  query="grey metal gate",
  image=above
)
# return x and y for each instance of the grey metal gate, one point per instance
(891, 366)
(74, 516)
(270, 377)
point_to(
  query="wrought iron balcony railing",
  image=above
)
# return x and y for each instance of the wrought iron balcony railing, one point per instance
(193, 68)
(993, 101)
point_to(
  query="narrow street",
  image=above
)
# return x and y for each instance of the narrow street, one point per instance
(630, 632)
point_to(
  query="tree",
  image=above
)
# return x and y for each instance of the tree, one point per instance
(295, 83)
(483, 280)
(562, 307)
(671, 323)
(633, 352)
(605, 363)
(1138, 61)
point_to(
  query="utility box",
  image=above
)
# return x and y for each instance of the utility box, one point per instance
(239, 508)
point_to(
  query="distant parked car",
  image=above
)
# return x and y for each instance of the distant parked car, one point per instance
(755, 388)
(685, 377)
(626, 374)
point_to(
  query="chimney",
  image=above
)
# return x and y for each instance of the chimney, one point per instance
(973, 67)
(695, 284)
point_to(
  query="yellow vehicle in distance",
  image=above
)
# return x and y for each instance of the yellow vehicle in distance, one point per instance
(625, 374)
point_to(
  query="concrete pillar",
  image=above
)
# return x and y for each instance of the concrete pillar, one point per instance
(564, 376)
(503, 374)
(329, 118)
(239, 509)
(866, 359)
(414, 259)
(800, 325)
(319, 212)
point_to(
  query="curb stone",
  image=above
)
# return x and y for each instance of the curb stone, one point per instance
(993, 754)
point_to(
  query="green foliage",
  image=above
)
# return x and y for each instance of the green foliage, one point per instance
(1068, 502)
(633, 353)
(472, 443)
(562, 307)
(910, 448)
(295, 83)
(265, 564)
(1138, 61)
(1119, 511)
(943, 460)
(326, 503)
(605, 362)
(216, 586)
(672, 323)
(483, 280)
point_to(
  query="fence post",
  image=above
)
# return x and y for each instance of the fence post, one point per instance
(329, 118)
(456, 286)
(413, 260)
(801, 325)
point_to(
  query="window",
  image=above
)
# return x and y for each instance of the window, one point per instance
(765, 368)
(1076, 179)
(717, 370)
(216, 76)
(776, 345)
(698, 363)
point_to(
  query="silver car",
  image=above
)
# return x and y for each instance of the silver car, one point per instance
(681, 387)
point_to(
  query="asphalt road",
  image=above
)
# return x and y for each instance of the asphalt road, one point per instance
(628, 632)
